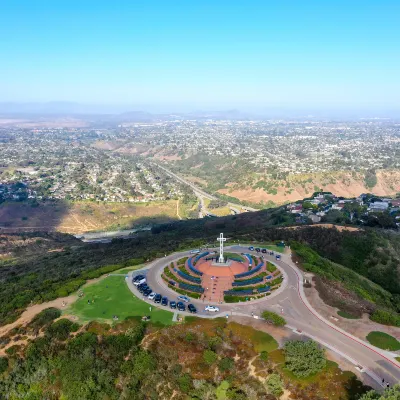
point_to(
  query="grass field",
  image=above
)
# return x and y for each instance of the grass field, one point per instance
(262, 341)
(345, 314)
(112, 297)
(383, 341)
(220, 211)
(128, 269)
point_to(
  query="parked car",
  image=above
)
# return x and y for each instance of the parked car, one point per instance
(251, 248)
(164, 301)
(211, 308)
(258, 249)
(192, 308)
(184, 298)
(172, 283)
(157, 298)
(143, 287)
(263, 251)
(137, 278)
(180, 306)
(139, 281)
(151, 295)
(147, 292)
(278, 257)
(172, 304)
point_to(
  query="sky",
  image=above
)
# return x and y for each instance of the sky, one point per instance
(221, 54)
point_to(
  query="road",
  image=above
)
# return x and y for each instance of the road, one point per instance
(200, 192)
(291, 302)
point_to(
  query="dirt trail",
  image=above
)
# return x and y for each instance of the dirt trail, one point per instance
(31, 311)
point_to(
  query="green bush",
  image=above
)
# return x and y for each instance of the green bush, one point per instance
(61, 329)
(226, 364)
(209, 357)
(274, 384)
(3, 364)
(385, 318)
(44, 318)
(274, 318)
(304, 358)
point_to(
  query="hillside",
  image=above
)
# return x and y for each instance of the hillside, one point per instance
(79, 217)
(296, 187)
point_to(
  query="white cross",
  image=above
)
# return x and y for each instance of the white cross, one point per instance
(221, 240)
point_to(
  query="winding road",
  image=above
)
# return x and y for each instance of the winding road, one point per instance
(302, 319)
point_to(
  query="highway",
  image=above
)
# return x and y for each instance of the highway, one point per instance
(291, 302)
(199, 192)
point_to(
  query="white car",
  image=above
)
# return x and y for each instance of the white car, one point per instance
(184, 298)
(139, 282)
(152, 295)
(211, 308)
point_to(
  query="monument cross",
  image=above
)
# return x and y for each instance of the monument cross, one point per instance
(221, 240)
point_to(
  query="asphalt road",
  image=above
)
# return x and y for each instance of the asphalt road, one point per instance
(200, 192)
(291, 302)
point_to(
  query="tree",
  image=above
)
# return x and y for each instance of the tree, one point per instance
(304, 358)
(274, 384)
(389, 394)
(274, 318)
(209, 357)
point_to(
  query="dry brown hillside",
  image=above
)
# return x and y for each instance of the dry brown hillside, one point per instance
(297, 187)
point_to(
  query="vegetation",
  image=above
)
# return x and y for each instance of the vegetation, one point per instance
(274, 318)
(383, 341)
(304, 358)
(389, 394)
(347, 315)
(274, 384)
(111, 297)
(386, 318)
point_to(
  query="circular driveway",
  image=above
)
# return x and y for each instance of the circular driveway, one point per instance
(289, 301)
(158, 285)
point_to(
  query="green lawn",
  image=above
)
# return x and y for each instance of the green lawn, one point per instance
(128, 269)
(383, 341)
(345, 314)
(112, 297)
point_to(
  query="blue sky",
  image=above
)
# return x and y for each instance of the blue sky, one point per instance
(202, 53)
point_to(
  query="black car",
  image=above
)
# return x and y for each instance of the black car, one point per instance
(158, 298)
(147, 292)
(164, 301)
(142, 288)
(138, 278)
(172, 283)
(181, 306)
(192, 308)
(172, 304)
(258, 249)
(263, 251)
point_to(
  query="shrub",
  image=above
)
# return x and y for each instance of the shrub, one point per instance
(61, 329)
(274, 384)
(209, 357)
(226, 364)
(385, 318)
(45, 317)
(3, 364)
(304, 358)
(274, 318)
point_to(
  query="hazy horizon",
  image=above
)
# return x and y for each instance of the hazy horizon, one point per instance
(216, 56)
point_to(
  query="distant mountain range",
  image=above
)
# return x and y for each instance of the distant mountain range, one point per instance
(124, 113)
